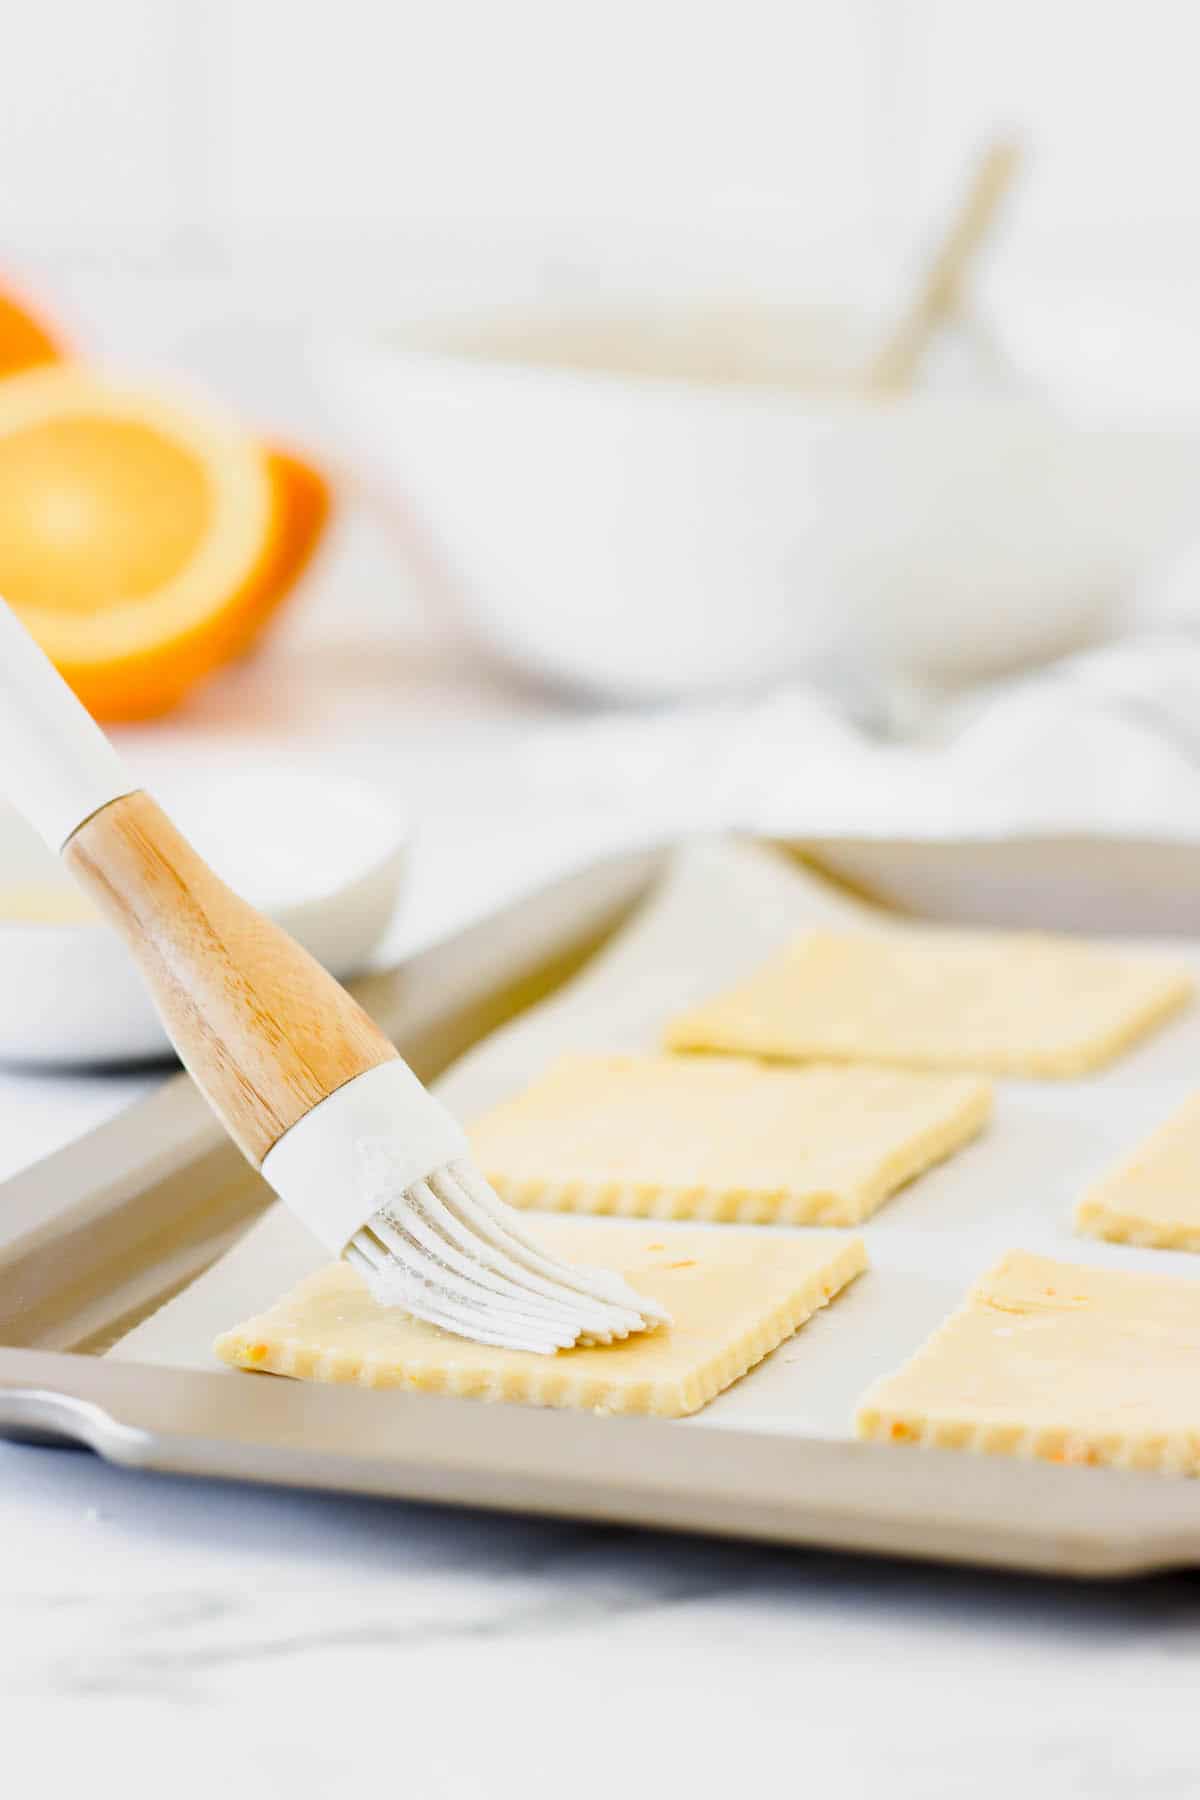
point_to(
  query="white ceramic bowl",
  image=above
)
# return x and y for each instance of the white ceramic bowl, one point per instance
(323, 857)
(641, 505)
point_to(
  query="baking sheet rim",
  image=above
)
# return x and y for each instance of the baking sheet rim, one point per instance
(939, 1505)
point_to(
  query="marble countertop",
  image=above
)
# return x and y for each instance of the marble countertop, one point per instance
(165, 1636)
(180, 1635)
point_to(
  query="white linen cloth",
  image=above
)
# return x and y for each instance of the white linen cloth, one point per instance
(1105, 744)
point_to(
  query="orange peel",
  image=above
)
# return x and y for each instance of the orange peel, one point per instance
(145, 540)
(25, 341)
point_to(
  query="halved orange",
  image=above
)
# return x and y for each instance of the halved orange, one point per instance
(144, 540)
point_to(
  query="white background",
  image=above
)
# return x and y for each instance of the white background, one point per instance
(401, 135)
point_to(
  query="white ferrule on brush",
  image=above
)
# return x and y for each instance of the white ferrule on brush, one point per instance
(308, 1165)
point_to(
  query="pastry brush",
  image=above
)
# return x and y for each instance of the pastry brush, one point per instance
(310, 1090)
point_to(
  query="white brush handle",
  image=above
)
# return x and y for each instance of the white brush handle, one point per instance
(56, 764)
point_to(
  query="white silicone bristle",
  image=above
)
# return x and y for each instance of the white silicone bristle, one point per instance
(448, 1250)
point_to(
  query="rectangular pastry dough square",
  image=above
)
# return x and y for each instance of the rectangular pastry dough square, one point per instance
(722, 1137)
(733, 1296)
(1052, 1360)
(1008, 1003)
(1154, 1197)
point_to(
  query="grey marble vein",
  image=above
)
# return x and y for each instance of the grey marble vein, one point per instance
(265, 1630)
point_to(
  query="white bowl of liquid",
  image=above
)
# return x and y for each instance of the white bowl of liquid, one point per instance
(654, 502)
(325, 858)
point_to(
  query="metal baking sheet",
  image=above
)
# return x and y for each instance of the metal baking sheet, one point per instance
(99, 1237)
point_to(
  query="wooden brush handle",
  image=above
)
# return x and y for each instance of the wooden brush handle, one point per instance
(264, 1030)
(262, 1027)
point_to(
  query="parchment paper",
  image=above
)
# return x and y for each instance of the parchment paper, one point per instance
(721, 908)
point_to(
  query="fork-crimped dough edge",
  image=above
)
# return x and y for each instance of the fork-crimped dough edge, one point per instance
(1175, 1453)
(656, 1200)
(707, 1027)
(1095, 1217)
(756, 1206)
(554, 1385)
